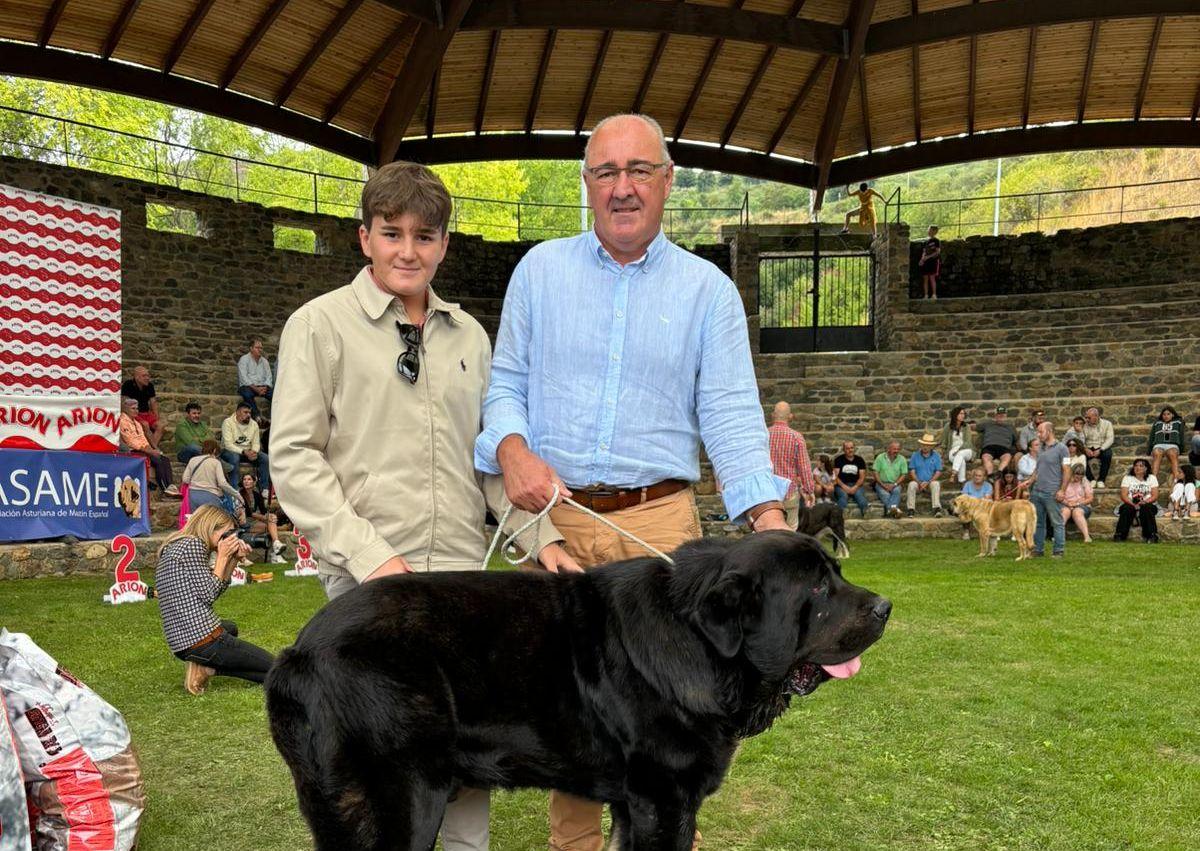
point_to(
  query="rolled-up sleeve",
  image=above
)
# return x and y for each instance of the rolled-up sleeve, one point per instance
(729, 412)
(308, 488)
(506, 409)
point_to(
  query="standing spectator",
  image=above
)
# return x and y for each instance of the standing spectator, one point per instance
(240, 441)
(190, 433)
(141, 388)
(254, 375)
(1075, 432)
(1184, 495)
(1027, 468)
(1166, 439)
(866, 208)
(207, 479)
(851, 472)
(823, 480)
(789, 458)
(1007, 486)
(925, 466)
(890, 468)
(1194, 454)
(1097, 444)
(956, 442)
(136, 438)
(931, 263)
(1139, 493)
(1077, 502)
(187, 587)
(979, 488)
(1030, 430)
(999, 441)
(1047, 490)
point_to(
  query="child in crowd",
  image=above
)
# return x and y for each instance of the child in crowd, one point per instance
(1007, 486)
(931, 264)
(1183, 494)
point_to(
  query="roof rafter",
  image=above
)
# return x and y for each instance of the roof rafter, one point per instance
(486, 85)
(802, 94)
(763, 64)
(185, 36)
(260, 29)
(118, 28)
(327, 35)
(1030, 59)
(406, 27)
(714, 52)
(916, 83)
(1144, 87)
(862, 104)
(1087, 72)
(593, 79)
(424, 56)
(651, 68)
(431, 109)
(839, 92)
(971, 83)
(543, 67)
(50, 22)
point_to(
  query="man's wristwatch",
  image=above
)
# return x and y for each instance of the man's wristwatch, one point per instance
(762, 508)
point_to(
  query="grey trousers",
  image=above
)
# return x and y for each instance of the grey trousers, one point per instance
(465, 825)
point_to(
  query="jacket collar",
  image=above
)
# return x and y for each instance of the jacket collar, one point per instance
(375, 301)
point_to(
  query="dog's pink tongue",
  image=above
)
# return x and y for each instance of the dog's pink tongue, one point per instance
(845, 670)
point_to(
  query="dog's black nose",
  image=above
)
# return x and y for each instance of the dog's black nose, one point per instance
(883, 609)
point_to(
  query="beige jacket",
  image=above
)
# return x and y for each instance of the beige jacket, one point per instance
(368, 465)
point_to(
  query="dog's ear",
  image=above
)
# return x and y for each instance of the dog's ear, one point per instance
(719, 616)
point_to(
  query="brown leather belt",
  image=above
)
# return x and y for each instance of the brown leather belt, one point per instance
(603, 499)
(208, 639)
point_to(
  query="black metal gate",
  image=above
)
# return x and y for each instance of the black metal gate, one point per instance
(816, 304)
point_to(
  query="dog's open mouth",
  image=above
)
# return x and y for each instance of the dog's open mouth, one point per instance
(805, 678)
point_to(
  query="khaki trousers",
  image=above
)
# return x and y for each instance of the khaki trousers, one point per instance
(664, 523)
(791, 510)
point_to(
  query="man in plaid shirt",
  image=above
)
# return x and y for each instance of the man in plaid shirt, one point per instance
(789, 457)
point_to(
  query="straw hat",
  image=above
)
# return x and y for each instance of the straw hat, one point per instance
(927, 439)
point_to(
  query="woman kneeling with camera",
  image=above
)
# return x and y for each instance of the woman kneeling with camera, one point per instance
(187, 587)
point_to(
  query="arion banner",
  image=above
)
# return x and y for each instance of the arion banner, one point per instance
(90, 495)
(60, 323)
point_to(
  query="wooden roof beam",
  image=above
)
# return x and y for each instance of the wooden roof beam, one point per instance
(862, 105)
(802, 94)
(119, 27)
(593, 79)
(839, 92)
(50, 22)
(406, 27)
(431, 109)
(1145, 86)
(543, 66)
(971, 72)
(1030, 57)
(714, 52)
(428, 47)
(260, 29)
(1087, 72)
(916, 83)
(651, 68)
(486, 85)
(763, 64)
(185, 36)
(328, 34)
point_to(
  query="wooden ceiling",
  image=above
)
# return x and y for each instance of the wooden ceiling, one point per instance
(811, 92)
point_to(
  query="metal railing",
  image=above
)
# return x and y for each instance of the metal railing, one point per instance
(49, 138)
(1047, 211)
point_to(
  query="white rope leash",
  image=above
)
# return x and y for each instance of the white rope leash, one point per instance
(508, 549)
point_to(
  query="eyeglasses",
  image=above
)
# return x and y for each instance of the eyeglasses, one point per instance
(606, 175)
(409, 364)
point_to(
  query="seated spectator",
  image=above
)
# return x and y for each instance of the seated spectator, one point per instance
(1076, 460)
(823, 479)
(1075, 432)
(1183, 495)
(1139, 493)
(135, 438)
(187, 588)
(999, 441)
(1194, 454)
(241, 441)
(891, 468)
(1007, 486)
(978, 487)
(190, 433)
(1037, 416)
(254, 375)
(1077, 502)
(1097, 444)
(259, 519)
(925, 469)
(851, 472)
(1166, 439)
(1027, 468)
(207, 479)
(141, 388)
(956, 442)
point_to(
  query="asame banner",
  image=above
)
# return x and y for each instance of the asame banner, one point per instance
(60, 323)
(89, 495)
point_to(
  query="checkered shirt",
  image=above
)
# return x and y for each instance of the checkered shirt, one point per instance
(789, 457)
(186, 590)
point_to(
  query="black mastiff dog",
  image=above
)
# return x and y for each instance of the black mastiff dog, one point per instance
(822, 516)
(630, 684)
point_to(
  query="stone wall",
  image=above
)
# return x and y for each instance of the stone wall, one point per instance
(892, 265)
(1079, 259)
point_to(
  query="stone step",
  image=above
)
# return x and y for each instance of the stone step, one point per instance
(1121, 335)
(1017, 319)
(1057, 300)
(834, 370)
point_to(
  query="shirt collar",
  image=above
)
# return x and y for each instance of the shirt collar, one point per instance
(375, 301)
(646, 263)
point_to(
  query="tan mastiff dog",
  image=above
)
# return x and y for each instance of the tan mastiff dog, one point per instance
(993, 519)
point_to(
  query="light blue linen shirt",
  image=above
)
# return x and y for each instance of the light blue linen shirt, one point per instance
(615, 374)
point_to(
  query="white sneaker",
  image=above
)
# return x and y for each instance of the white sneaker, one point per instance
(266, 494)
(276, 558)
(1098, 486)
(277, 547)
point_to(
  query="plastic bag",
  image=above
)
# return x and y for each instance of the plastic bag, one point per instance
(14, 814)
(82, 779)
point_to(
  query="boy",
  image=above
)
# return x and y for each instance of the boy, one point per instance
(866, 208)
(377, 406)
(931, 263)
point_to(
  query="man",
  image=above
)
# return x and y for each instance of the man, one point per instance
(135, 437)
(381, 388)
(925, 469)
(890, 468)
(789, 459)
(850, 471)
(241, 441)
(1048, 490)
(254, 375)
(190, 433)
(141, 388)
(618, 353)
(1029, 431)
(1097, 443)
(999, 441)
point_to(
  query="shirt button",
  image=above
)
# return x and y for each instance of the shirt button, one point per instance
(616, 357)
(620, 315)
(604, 446)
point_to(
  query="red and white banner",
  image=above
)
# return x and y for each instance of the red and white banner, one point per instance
(60, 323)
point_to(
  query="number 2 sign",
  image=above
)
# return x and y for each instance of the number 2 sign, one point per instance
(128, 587)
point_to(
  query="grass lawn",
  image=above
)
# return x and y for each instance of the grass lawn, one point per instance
(1050, 704)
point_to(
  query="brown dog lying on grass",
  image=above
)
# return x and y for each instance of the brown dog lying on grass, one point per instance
(994, 519)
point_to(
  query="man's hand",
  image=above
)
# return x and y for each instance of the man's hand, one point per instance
(809, 500)
(555, 560)
(772, 518)
(391, 567)
(250, 454)
(528, 480)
